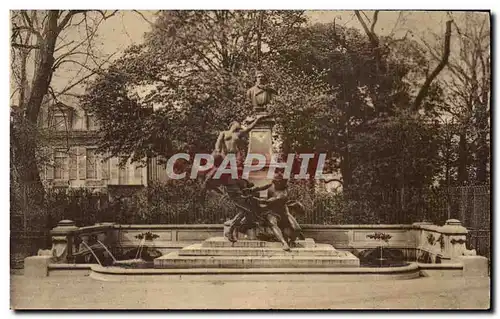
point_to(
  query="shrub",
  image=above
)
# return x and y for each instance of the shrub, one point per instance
(179, 202)
(78, 204)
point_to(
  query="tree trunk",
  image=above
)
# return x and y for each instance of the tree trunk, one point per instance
(482, 159)
(25, 143)
(345, 170)
(462, 159)
(24, 161)
(31, 175)
(482, 149)
(41, 80)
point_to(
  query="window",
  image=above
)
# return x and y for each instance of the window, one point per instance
(138, 173)
(92, 123)
(91, 166)
(123, 172)
(60, 164)
(60, 122)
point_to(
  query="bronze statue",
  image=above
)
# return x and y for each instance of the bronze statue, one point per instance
(260, 94)
(228, 142)
(271, 216)
(231, 141)
(245, 219)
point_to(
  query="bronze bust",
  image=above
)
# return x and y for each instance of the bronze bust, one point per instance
(260, 94)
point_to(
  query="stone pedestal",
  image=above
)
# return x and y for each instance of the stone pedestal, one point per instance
(37, 266)
(218, 252)
(63, 240)
(260, 141)
(474, 266)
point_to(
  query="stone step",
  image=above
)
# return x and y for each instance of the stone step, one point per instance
(175, 261)
(199, 250)
(219, 242)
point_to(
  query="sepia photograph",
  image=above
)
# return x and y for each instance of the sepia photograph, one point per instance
(250, 159)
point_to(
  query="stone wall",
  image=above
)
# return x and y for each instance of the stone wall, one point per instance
(443, 246)
(446, 242)
(349, 237)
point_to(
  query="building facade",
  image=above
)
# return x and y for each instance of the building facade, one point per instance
(70, 158)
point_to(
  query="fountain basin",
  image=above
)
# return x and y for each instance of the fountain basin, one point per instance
(409, 271)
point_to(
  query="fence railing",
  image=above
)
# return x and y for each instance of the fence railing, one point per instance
(471, 205)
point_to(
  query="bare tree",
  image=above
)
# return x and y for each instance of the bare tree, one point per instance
(470, 93)
(42, 44)
(468, 87)
(377, 47)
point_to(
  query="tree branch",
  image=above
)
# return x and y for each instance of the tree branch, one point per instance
(25, 46)
(30, 29)
(64, 45)
(371, 35)
(93, 72)
(374, 22)
(143, 17)
(444, 60)
(67, 18)
(105, 16)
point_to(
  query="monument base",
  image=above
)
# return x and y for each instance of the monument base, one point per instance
(218, 252)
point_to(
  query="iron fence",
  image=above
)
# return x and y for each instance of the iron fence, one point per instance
(30, 225)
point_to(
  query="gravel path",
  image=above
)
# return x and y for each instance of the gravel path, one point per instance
(87, 293)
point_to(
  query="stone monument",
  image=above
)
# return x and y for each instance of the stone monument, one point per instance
(260, 140)
(263, 233)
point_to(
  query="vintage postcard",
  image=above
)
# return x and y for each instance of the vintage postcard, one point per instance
(257, 159)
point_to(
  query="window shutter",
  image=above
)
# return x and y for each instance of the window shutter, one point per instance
(50, 166)
(42, 171)
(50, 171)
(71, 119)
(114, 169)
(138, 173)
(82, 163)
(105, 168)
(73, 163)
(66, 168)
(125, 174)
(42, 167)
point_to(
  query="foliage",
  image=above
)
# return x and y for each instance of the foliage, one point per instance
(79, 204)
(174, 202)
(441, 241)
(371, 105)
(338, 94)
(380, 236)
(431, 239)
(147, 236)
(179, 202)
(395, 152)
(44, 45)
(31, 219)
(192, 72)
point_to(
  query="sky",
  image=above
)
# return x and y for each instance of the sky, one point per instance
(129, 27)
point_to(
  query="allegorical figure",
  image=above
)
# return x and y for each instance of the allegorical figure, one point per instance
(271, 215)
(247, 207)
(228, 142)
(260, 94)
(231, 141)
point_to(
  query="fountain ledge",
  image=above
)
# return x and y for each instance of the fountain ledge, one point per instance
(241, 274)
